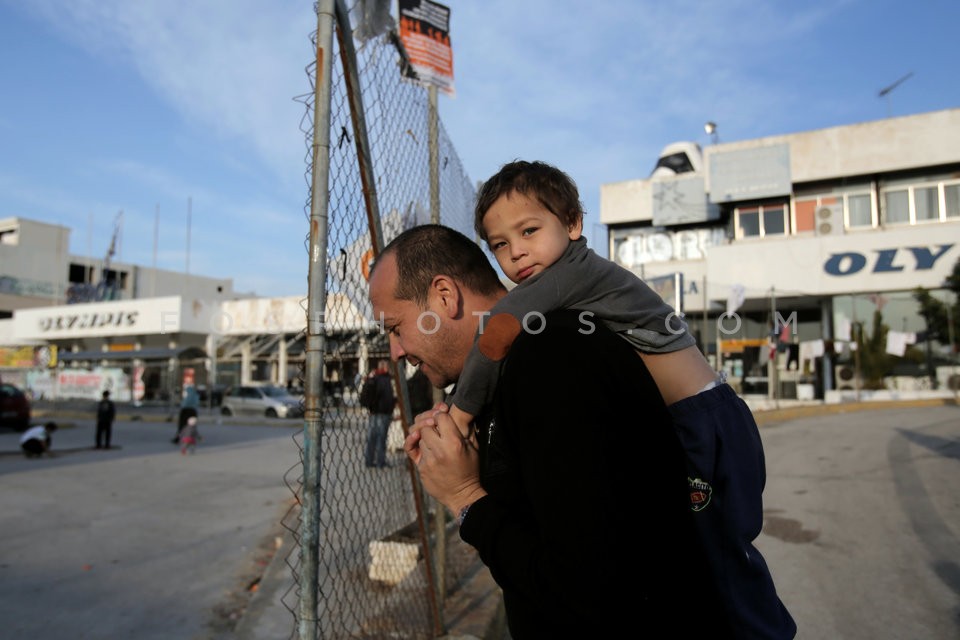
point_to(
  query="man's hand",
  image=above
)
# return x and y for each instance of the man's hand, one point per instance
(425, 420)
(448, 462)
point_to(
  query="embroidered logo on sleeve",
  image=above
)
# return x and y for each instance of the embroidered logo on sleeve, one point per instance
(700, 493)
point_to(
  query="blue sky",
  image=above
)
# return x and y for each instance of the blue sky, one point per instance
(113, 105)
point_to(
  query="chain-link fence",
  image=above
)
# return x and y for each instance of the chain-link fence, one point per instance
(370, 558)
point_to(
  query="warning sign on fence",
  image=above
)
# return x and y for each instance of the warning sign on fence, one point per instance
(425, 33)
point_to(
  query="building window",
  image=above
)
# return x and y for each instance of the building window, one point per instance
(774, 220)
(927, 203)
(765, 220)
(951, 200)
(748, 223)
(859, 211)
(80, 273)
(897, 207)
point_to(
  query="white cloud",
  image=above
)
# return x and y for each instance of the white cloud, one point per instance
(233, 67)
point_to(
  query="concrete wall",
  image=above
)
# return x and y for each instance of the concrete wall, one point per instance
(867, 148)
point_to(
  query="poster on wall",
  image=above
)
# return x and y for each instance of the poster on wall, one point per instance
(17, 357)
(41, 384)
(139, 388)
(90, 385)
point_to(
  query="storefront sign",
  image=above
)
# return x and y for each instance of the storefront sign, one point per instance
(896, 259)
(170, 314)
(67, 321)
(885, 261)
(634, 247)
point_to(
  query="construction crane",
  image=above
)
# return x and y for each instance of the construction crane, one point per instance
(885, 92)
(107, 287)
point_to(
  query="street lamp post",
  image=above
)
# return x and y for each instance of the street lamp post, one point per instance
(711, 129)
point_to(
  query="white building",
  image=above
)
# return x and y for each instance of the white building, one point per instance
(71, 326)
(830, 225)
(37, 270)
(804, 236)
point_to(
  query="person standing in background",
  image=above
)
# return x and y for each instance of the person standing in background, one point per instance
(378, 398)
(106, 413)
(188, 409)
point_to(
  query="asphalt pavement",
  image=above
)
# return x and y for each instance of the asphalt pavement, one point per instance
(862, 522)
(142, 542)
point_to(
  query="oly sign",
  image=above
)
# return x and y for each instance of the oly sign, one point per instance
(886, 260)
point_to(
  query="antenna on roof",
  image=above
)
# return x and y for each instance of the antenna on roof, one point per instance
(885, 92)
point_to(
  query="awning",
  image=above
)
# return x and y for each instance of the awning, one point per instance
(181, 353)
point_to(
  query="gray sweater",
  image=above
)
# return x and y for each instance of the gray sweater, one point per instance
(582, 280)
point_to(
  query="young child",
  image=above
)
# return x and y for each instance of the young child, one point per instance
(37, 440)
(530, 215)
(189, 436)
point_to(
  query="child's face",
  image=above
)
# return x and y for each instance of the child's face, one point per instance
(525, 237)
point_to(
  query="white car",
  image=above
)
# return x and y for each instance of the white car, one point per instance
(266, 400)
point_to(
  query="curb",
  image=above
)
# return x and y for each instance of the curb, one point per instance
(775, 416)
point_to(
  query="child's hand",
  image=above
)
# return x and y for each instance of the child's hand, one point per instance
(440, 407)
(427, 418)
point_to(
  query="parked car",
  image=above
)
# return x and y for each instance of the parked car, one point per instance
(261, 400)
(14, 407)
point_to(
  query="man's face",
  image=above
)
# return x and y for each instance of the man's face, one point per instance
(427, 337)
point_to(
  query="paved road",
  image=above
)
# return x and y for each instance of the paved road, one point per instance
(140, 541)
(862, 528)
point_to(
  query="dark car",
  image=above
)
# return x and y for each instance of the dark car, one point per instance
(219, 390)
(14, 407)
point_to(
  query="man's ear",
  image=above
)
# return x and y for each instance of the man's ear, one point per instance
(575, 230)
(445, 294)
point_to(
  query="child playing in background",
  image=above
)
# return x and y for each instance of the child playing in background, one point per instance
(37, 440)
(189, 436)
(531, 217)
